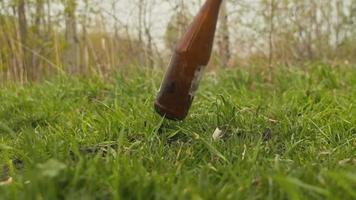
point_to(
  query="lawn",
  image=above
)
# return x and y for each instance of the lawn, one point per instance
(293, 137)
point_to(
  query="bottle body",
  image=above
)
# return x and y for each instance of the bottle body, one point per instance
(191, 55)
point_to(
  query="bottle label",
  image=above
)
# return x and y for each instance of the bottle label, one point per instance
(198, 74)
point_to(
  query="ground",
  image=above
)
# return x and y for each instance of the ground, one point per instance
(289, 137)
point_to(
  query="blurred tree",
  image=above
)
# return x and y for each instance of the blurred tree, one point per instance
(71, 54)
(22, 24)
(177, 24)
(224, 35)
(37, 39)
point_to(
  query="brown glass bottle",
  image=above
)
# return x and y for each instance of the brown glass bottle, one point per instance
(192, 54)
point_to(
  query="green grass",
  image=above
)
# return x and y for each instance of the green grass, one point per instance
(290, 138)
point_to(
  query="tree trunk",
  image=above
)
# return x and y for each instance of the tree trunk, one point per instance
(22, 23)
(141, 4)
(39, 39)
(271, 34)
(224, 43)
(149, 39)
(71, 53)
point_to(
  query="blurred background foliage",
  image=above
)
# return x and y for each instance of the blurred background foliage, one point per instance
(42, 38)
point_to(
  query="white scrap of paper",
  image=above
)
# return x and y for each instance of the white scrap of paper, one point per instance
(217, 135)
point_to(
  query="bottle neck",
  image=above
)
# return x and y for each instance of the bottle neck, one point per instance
(199, 37)
(216, 3)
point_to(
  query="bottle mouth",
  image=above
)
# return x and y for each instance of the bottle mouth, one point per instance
(167, 113)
